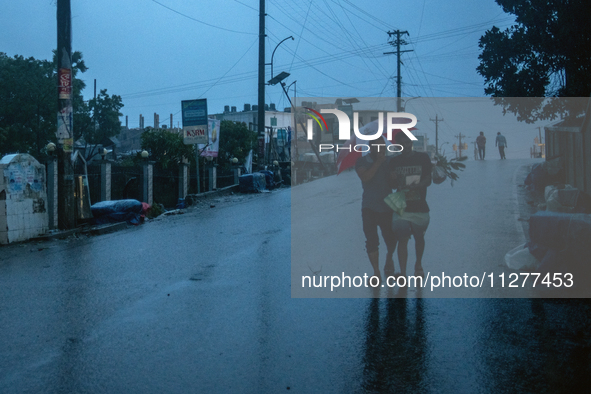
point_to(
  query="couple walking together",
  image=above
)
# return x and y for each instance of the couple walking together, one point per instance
(409, 172)
(500, 141)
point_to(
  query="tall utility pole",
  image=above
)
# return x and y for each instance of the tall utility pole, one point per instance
(397, 42)
(65, 134)
(94, 109)
(541, 145)
(261, 101)
(436, 120)
(460, 143)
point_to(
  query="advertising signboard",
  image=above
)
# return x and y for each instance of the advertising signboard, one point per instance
(211, 149)
(65, 83)
(194, 121)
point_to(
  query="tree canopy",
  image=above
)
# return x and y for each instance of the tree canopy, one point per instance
(547, 53)
(28, 105)
(236, 140)
(98, 119)
(166, 148)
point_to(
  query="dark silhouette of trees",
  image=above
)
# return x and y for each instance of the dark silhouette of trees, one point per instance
(547, 53)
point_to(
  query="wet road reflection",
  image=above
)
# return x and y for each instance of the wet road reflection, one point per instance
(537, 345)
(155, 309)
(485, 346)
(395, 349)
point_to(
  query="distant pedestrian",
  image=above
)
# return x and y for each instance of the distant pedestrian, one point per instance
(501, 142)
(481, 142)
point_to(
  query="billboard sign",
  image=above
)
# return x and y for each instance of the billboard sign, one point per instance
(212, 147)
(194, 121)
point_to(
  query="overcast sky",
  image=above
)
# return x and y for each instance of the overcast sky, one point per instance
(156, 53)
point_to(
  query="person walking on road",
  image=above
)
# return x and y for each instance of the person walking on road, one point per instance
(501, 142)
(411, 172)
(372, 169)
(481, 142)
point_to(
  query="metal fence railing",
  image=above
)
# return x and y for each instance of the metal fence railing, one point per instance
(166, 186)
(94, 182)
(125, 183)
(225, 178)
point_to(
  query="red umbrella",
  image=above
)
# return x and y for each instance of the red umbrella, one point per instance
(347, 159)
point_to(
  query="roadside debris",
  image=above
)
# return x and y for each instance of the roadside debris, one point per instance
(130, 211)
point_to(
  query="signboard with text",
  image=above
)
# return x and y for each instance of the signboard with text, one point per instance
(64, 124)
(213, 144)
(65, 83)
(194, 121)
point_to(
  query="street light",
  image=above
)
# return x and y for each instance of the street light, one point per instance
(406, 102)
(275, 80)
(289, 86)
(351, 101)
(50, 148)
(279, 78)
(261, 100)
(104, 153)
(273, 54)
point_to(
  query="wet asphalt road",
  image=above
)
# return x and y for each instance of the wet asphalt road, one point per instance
(201, 303)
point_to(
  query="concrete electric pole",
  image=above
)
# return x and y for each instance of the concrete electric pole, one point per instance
(436, 120)
(397, 42)
(65, 132)
(261, 98)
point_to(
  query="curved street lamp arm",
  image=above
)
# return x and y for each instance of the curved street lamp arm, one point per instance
(273, 54)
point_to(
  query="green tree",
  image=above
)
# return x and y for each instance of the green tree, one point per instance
(547, 53)
(98, 119)
(28, 104)
(28, 101)
(236, 140)
(166, 148)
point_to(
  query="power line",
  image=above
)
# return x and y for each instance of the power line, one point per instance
(377, 65)
(458, 31)
(301, 31)
(246, 5)
(397, 42)
(385, 24)
(204, 23)
(367, 51)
